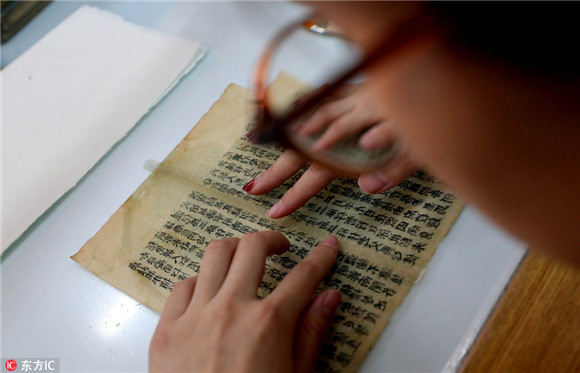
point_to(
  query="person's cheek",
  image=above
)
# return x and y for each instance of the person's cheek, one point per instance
(410, 112)
(429, 114)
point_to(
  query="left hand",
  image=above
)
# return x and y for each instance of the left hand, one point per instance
(215, 322)
(351, 110)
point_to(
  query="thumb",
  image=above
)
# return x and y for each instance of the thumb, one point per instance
(312, 329)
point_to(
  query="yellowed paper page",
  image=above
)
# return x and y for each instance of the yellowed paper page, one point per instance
(159, 235)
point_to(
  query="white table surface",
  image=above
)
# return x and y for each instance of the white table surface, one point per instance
(53, 307)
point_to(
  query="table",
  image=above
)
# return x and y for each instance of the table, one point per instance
(52, 307)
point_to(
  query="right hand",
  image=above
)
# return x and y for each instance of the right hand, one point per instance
(215, 322)
(352, 110)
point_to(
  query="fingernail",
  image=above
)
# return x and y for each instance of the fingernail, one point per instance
(248, 187)
(331, 302)
(251, 135)
(374, 183)
(330, 241)
(369, 142)
(273, 212)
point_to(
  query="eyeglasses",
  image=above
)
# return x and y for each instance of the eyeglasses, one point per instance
(345, 156)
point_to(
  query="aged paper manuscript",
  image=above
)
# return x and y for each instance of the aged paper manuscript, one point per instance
(159, 235)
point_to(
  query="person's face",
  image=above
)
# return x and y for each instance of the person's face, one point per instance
(473, 123)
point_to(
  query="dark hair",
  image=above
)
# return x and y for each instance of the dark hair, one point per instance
(539, 36)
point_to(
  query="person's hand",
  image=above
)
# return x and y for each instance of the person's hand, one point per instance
(215, 322)
(351, 111)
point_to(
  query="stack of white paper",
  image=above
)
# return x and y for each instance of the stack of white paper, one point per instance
(71, 97)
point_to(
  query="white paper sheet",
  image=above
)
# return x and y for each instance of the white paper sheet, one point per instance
(71, 97)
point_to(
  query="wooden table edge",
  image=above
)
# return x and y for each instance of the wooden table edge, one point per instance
(535, 327)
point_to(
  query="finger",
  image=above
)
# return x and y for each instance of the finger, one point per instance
(214, 268)
(353, 122)
(311, 182)
(325, 115)
(283, 169)
(179, 299)
(247, 268)
(397, 171)
(295, 291)
(312, 329)
(377, 137)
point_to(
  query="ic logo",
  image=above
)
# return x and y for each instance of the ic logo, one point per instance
(11, 365)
